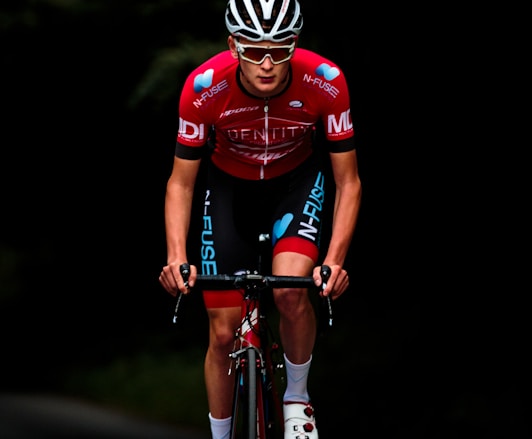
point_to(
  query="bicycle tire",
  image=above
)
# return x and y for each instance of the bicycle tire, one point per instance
(273, 412)
(236, 403)
(244, 422)
(251, 406)
(270, 398)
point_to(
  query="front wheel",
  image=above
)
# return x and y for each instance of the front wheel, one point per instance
(244, 424)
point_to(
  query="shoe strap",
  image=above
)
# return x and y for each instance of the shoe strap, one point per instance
(298, 410)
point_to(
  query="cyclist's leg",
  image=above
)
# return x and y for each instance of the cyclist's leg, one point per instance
(218, 383)
(222, 251)
(297, 329)
(297, 234)
(297, 323)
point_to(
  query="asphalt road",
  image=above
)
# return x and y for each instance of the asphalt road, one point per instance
(41, 416)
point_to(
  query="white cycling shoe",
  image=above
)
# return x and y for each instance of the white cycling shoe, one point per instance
(299, 421)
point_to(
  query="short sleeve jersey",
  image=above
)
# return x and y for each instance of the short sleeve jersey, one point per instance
(261, 138)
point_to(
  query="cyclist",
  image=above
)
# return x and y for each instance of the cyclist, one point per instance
(263, 99)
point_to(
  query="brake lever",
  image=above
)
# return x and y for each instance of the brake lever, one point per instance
(325, 274)
(185, 273)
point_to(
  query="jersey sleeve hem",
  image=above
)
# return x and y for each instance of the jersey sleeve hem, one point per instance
(342, 145)
(189, 153)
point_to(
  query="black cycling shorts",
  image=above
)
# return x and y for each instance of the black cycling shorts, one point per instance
(290, 208)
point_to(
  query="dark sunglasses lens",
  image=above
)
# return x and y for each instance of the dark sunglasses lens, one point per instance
(279, 54)
(256, 54)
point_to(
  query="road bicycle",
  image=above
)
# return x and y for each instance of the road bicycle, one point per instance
(257, 407)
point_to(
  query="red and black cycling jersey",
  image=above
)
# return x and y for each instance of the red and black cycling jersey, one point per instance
(261, 138)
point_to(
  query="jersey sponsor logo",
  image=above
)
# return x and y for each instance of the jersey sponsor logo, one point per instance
(191, 131)
(295, 104)
(203, 80)
(209, 93)
(261, 155)
(328, 72)
(208, 261)
(258, 135)
(239, 110)
(324, 71)
(341, 125)
(312, 209)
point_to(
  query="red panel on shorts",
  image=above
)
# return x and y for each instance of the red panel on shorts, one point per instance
(297, 245)
(222, 298)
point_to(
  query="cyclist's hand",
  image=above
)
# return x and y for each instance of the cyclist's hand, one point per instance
(336, 284)
(172, 280)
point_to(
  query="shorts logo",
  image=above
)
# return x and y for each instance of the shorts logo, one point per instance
(208, 254)
(203, 80)
(313, 209)
(328, 72)
(280, 226)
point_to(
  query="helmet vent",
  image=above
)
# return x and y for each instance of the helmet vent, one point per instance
(258, 20)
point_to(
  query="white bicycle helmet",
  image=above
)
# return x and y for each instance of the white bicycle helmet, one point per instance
(259, 20)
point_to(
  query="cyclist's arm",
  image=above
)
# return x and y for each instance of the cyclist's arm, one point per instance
(345, 214)
(177, 212)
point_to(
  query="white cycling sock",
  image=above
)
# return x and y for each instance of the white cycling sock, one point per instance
(220, 428)
(296, 381)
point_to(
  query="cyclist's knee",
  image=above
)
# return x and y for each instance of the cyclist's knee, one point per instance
(290, 300)
(223, 322)
(222, 338)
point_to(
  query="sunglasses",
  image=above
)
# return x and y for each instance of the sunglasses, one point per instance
(257, 54)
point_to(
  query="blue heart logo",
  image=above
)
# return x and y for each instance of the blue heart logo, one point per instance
(280, 226)
(328, 72)
(203, 80)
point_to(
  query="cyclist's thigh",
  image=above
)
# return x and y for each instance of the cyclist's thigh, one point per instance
(298, 223)
(223, 249)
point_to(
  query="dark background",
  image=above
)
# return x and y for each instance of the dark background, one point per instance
(89, 94)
